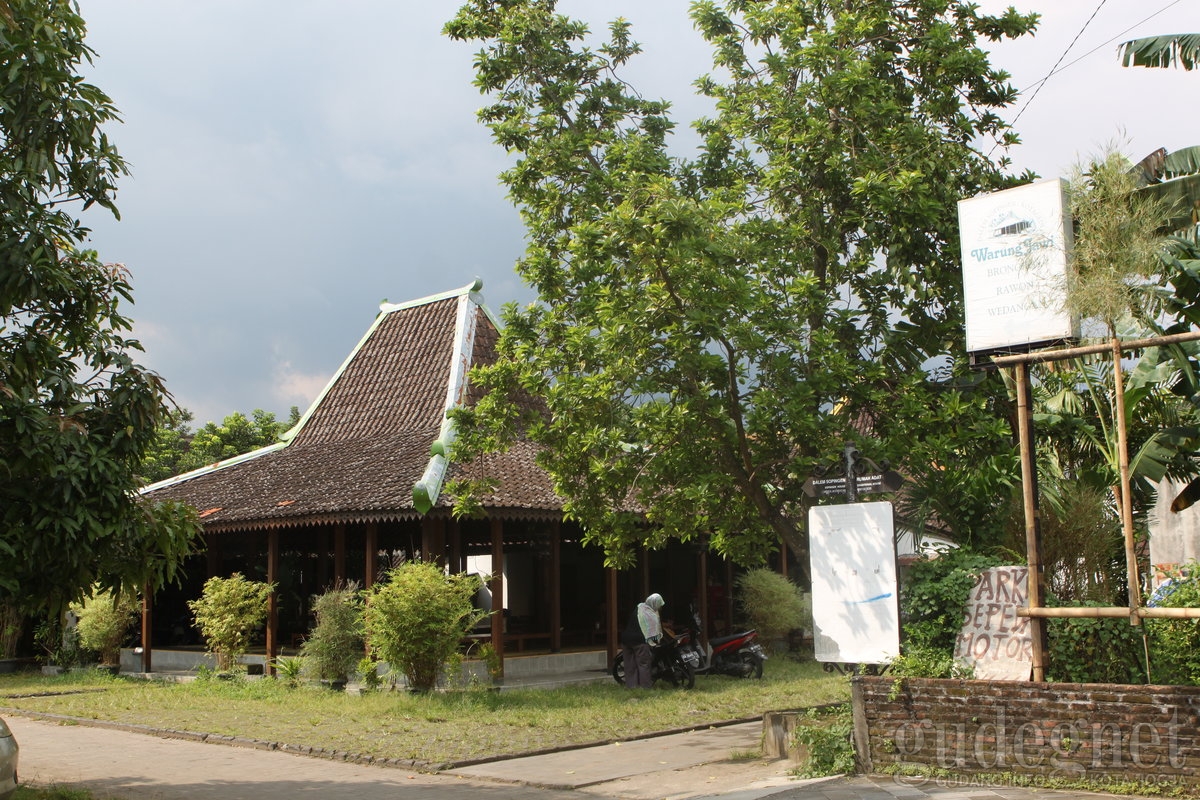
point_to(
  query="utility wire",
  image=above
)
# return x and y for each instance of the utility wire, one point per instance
(1055, 70)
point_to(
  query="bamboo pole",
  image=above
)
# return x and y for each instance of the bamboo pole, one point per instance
(1142, 612)
(1125, 493)
(1033, 529)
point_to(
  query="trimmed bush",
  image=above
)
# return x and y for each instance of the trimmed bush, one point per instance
(773, 605)
(104, 622)
(227, 612)
(416, 618)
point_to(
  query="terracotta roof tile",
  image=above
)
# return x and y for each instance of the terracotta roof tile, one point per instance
(367, 440)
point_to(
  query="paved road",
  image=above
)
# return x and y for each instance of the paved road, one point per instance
(693, 766)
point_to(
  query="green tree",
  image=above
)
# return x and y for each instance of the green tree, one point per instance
(710, 329)
(77, 412)
(178, 449)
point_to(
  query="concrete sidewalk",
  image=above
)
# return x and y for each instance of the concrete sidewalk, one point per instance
(686, 766)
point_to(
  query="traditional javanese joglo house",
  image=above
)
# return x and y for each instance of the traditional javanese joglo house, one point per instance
(358, 484)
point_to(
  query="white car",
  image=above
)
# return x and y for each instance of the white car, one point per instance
(8, 761)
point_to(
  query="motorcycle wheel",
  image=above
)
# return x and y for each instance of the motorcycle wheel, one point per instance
(618, 670)
(752, 666)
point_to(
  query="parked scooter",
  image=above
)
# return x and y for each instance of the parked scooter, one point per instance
(667, 663)
(739, 654)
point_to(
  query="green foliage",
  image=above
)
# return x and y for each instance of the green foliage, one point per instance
(368, 672)
(772, 604)
(924, 661)
(699, 318)
(1175, 643)
(335, 644)
(486, 653)
(417, 616)
(1099, 650)
(828, 737)
(1115, 257)
(77, 413)
(290, 670)
(177, 449)
(934, 594)
(59, 645)
(104, 621)
(227, 612)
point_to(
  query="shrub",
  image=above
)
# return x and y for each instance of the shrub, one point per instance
(104, 621)
(934, 593)
(1095, 650)
(288, 670)
(1175, 643)
(227, 612)
(416, 618)
(773, 605)
(828, 737)
(334, 646)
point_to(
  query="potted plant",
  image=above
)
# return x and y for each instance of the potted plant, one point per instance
(59, 644)
(104, 621)
(227, 612)
(335, 645)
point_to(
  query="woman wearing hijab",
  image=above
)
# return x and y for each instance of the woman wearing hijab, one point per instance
(643, 631)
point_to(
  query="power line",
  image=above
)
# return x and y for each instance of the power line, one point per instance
(1054, 69)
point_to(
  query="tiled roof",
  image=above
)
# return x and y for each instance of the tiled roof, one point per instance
(368, 442)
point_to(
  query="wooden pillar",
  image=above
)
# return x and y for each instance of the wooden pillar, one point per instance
(370, 554)
(147, 627)
(729, 595)
(610, 596)
(783, 558)
(323, 554)
(339, 555)
(433, 541)
(1036, 582)
(212, 551)
(454, 547)
(273, 601)
(702, 597)
(555, 586)
(497, 588)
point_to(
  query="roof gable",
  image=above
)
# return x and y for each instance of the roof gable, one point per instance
(373, 445)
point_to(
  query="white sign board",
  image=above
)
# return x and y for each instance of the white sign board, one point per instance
(995, 642)
(1014, 261)
(856, 617)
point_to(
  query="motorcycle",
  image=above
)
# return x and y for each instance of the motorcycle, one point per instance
(667, 663)
(739, 654)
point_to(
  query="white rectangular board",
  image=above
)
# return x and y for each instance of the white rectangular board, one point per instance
(996, 643)
(856, 617)
(1015, 246)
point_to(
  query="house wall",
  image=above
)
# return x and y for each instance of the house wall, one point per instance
(1101, 732)
(1174, 537)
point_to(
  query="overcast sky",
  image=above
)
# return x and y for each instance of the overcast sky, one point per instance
(295, 162)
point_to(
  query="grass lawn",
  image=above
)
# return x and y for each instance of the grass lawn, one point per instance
(436, 728)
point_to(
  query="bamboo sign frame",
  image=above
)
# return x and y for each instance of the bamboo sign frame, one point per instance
(1036, 610)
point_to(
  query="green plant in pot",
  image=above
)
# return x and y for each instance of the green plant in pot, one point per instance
(335, 645)
(227, 613)
(104, 621)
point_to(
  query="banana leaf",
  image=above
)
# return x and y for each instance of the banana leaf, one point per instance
(1162, 51)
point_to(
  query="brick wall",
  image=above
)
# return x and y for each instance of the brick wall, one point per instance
(1097, 731)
